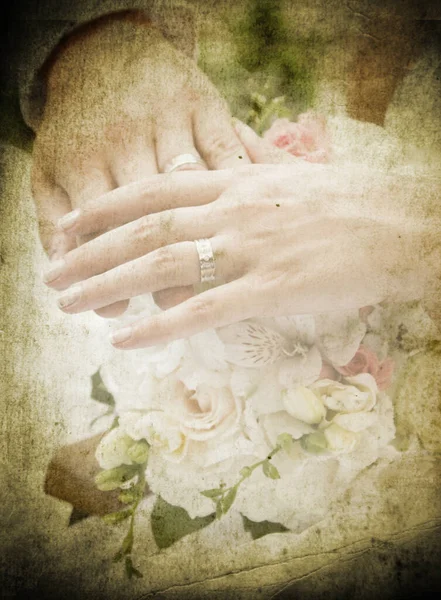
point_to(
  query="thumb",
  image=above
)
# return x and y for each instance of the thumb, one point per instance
(260, 150)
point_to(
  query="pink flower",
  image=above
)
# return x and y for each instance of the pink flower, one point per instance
(307, 138)
(366, 361)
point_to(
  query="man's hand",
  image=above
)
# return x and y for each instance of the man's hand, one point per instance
(121, 103)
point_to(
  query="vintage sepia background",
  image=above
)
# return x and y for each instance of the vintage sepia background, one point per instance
(383, 539)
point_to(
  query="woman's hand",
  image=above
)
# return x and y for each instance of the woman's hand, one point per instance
(287, 239)
(121, 103)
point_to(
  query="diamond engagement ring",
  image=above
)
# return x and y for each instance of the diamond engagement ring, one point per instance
(206, 260)
(183, 160)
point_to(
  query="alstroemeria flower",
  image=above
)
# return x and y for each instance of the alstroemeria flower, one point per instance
(293, 345)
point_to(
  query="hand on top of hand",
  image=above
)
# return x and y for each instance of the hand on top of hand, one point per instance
(121, 103)
(287, 238)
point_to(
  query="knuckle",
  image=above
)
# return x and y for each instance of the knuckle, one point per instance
(221, 145)
(142, 228)
(163, 259)
(202, 308)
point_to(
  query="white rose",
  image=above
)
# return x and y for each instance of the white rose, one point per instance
(205, 413)
(112, 451)
(304, 405)
(356, 394)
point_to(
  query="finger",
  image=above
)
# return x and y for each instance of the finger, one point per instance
(217, 307)
(134, 162)
(135, 165)
(166, 299)
(216, 139)
(260, 150)
(84, 184)
(174, 137)
(152, 195)
(51, 203)
(170, 266)
(129, 242)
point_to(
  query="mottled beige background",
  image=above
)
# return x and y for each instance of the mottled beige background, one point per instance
(381, 541)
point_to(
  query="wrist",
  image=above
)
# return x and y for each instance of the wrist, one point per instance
(93, 44)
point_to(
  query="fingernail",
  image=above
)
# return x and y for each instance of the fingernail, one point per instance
(122, 335)
(69, 220)
(70, 296)
(55, 270)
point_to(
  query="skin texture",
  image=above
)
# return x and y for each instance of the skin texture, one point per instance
(334, 244)
(112, 118)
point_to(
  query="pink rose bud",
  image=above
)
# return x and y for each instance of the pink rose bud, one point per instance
(307, 138)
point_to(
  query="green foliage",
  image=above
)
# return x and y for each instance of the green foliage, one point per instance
(139, 452)
(99, 391)
(259, 529)
(131, 571)
(224, 497)
(101, 394)
(117, 517)
(270, 470)
(274, 56)
(171, 523)
(111, 479)
(314, 443)
(285, 441)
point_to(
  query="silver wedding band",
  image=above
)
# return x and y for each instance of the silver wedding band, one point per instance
(182, 160)
(206, 260)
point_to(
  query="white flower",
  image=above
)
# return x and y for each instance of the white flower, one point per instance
(339, 440)
(304, 405)
(206, 412)
(295, 345)
(160, 430)
(112, 450)
(281, 422)
(183, 423)
(356, 394)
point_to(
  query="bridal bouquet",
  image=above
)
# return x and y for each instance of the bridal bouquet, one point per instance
(272, 417)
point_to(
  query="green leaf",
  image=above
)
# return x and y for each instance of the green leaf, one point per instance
(117, 517)
(139, 452)
(213, 493)
(129, 496)
(246, 472)
(314, 443)
(127, 544)
(285, 441)
(131, 570)
(262, 528)
(100, 392)
(111, 479)
(270, 470)
(228, 499)
(171, 523)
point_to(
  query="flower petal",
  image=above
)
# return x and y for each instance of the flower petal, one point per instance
(251, 344)
(282, 422)
(339, 336)
(300, 370)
